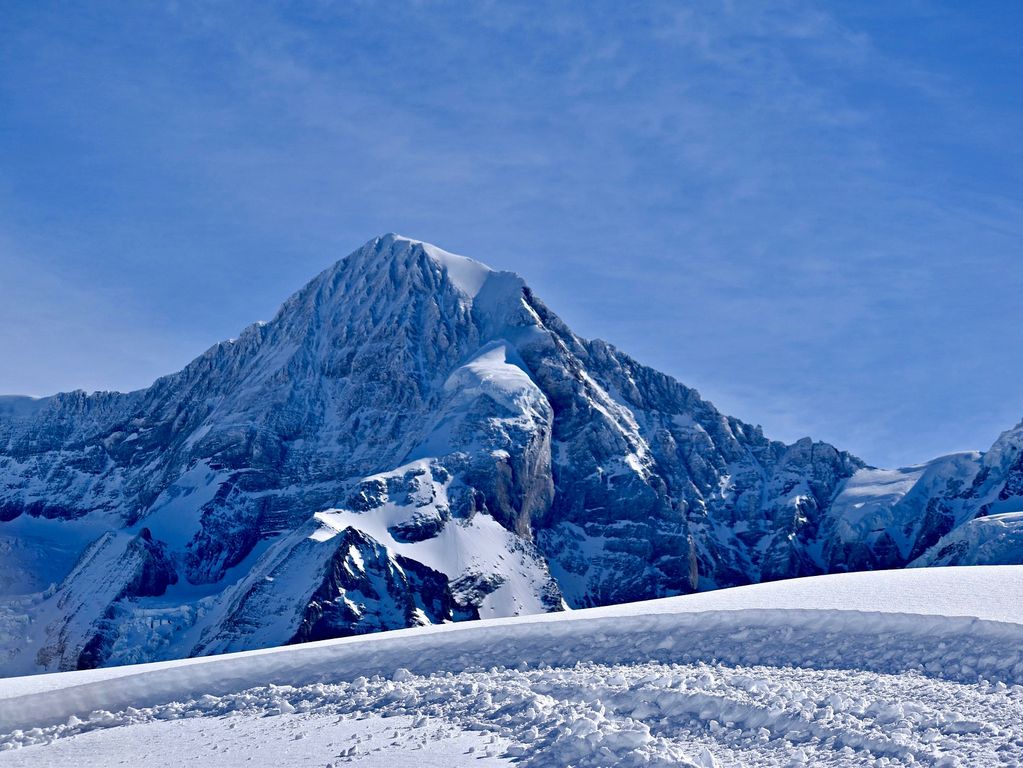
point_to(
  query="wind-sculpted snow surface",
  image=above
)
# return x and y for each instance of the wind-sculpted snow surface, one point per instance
(708, 680)
(415, 438)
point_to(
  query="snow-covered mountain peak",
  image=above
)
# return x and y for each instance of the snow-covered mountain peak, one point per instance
(428, 266)
(468, 275)
(392, 281)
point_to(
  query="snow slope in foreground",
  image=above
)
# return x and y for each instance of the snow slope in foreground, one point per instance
(918, 667)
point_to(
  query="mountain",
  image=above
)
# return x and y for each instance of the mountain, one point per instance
(413, 439)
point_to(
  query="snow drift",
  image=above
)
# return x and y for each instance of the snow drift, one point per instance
(889, 668)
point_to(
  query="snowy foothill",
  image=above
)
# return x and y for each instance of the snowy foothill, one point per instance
(893, 668)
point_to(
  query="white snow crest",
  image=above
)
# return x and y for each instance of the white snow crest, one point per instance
(467, 275)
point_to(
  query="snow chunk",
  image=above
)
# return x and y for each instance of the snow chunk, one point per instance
(498, 371)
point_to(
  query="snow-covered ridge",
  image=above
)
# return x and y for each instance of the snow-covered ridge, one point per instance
(21, 406)
(851, 670)
(416, 439)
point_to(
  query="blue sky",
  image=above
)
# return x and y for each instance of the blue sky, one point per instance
(811, 212)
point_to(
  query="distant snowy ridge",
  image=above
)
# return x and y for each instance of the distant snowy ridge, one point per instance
(416, 439)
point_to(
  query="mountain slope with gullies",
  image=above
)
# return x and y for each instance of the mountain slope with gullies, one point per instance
(413, 439)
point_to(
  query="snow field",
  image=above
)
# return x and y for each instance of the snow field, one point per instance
(589, 714)
(647, 684)
(296, 739)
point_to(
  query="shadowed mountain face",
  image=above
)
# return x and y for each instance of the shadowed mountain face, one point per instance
(416, 438)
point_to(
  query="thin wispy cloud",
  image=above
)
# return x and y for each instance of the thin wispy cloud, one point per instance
(784, 204)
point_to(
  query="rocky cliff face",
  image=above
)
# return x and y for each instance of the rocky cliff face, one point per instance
(416, 438)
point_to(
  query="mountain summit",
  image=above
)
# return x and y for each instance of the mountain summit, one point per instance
(416, 438)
